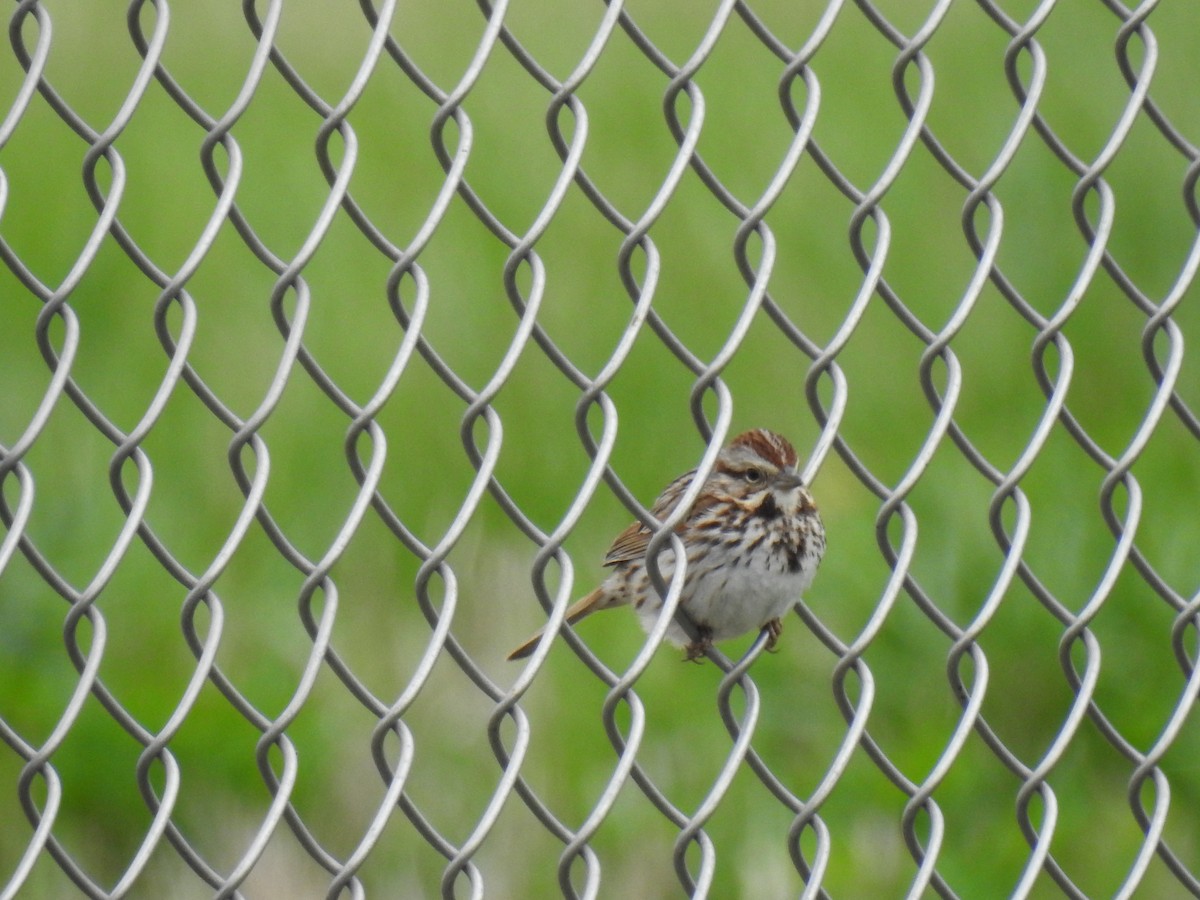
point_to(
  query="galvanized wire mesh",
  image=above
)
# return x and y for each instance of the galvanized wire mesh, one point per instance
(946, 248)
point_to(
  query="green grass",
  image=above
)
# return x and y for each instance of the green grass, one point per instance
(380, 630)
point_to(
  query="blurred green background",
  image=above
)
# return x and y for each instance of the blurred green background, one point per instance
(380, 631)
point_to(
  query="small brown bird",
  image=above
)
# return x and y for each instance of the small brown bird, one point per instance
(753, 540)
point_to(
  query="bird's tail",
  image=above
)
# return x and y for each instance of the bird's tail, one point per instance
(583, 607)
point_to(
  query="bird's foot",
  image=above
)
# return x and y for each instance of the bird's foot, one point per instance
(774, 630)
(698, 649)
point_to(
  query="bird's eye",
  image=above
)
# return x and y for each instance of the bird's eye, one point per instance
(754, 475)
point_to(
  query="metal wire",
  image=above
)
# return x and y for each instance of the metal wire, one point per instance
(43, 845)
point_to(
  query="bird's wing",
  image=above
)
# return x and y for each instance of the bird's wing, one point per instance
(630, 545)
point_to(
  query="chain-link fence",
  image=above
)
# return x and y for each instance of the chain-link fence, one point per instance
(367, 327)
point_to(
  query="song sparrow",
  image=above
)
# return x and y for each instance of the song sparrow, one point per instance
(753, 540)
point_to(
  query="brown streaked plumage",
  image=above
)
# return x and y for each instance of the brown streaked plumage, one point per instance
(753, 539)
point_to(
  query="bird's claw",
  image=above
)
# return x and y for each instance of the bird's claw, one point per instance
(774, 630)
(698, 649)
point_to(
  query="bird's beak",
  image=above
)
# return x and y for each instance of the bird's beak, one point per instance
(787, 481)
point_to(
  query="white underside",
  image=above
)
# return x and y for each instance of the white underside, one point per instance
(731, 601)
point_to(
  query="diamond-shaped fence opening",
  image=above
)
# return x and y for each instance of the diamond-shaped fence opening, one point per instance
(338, 340)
